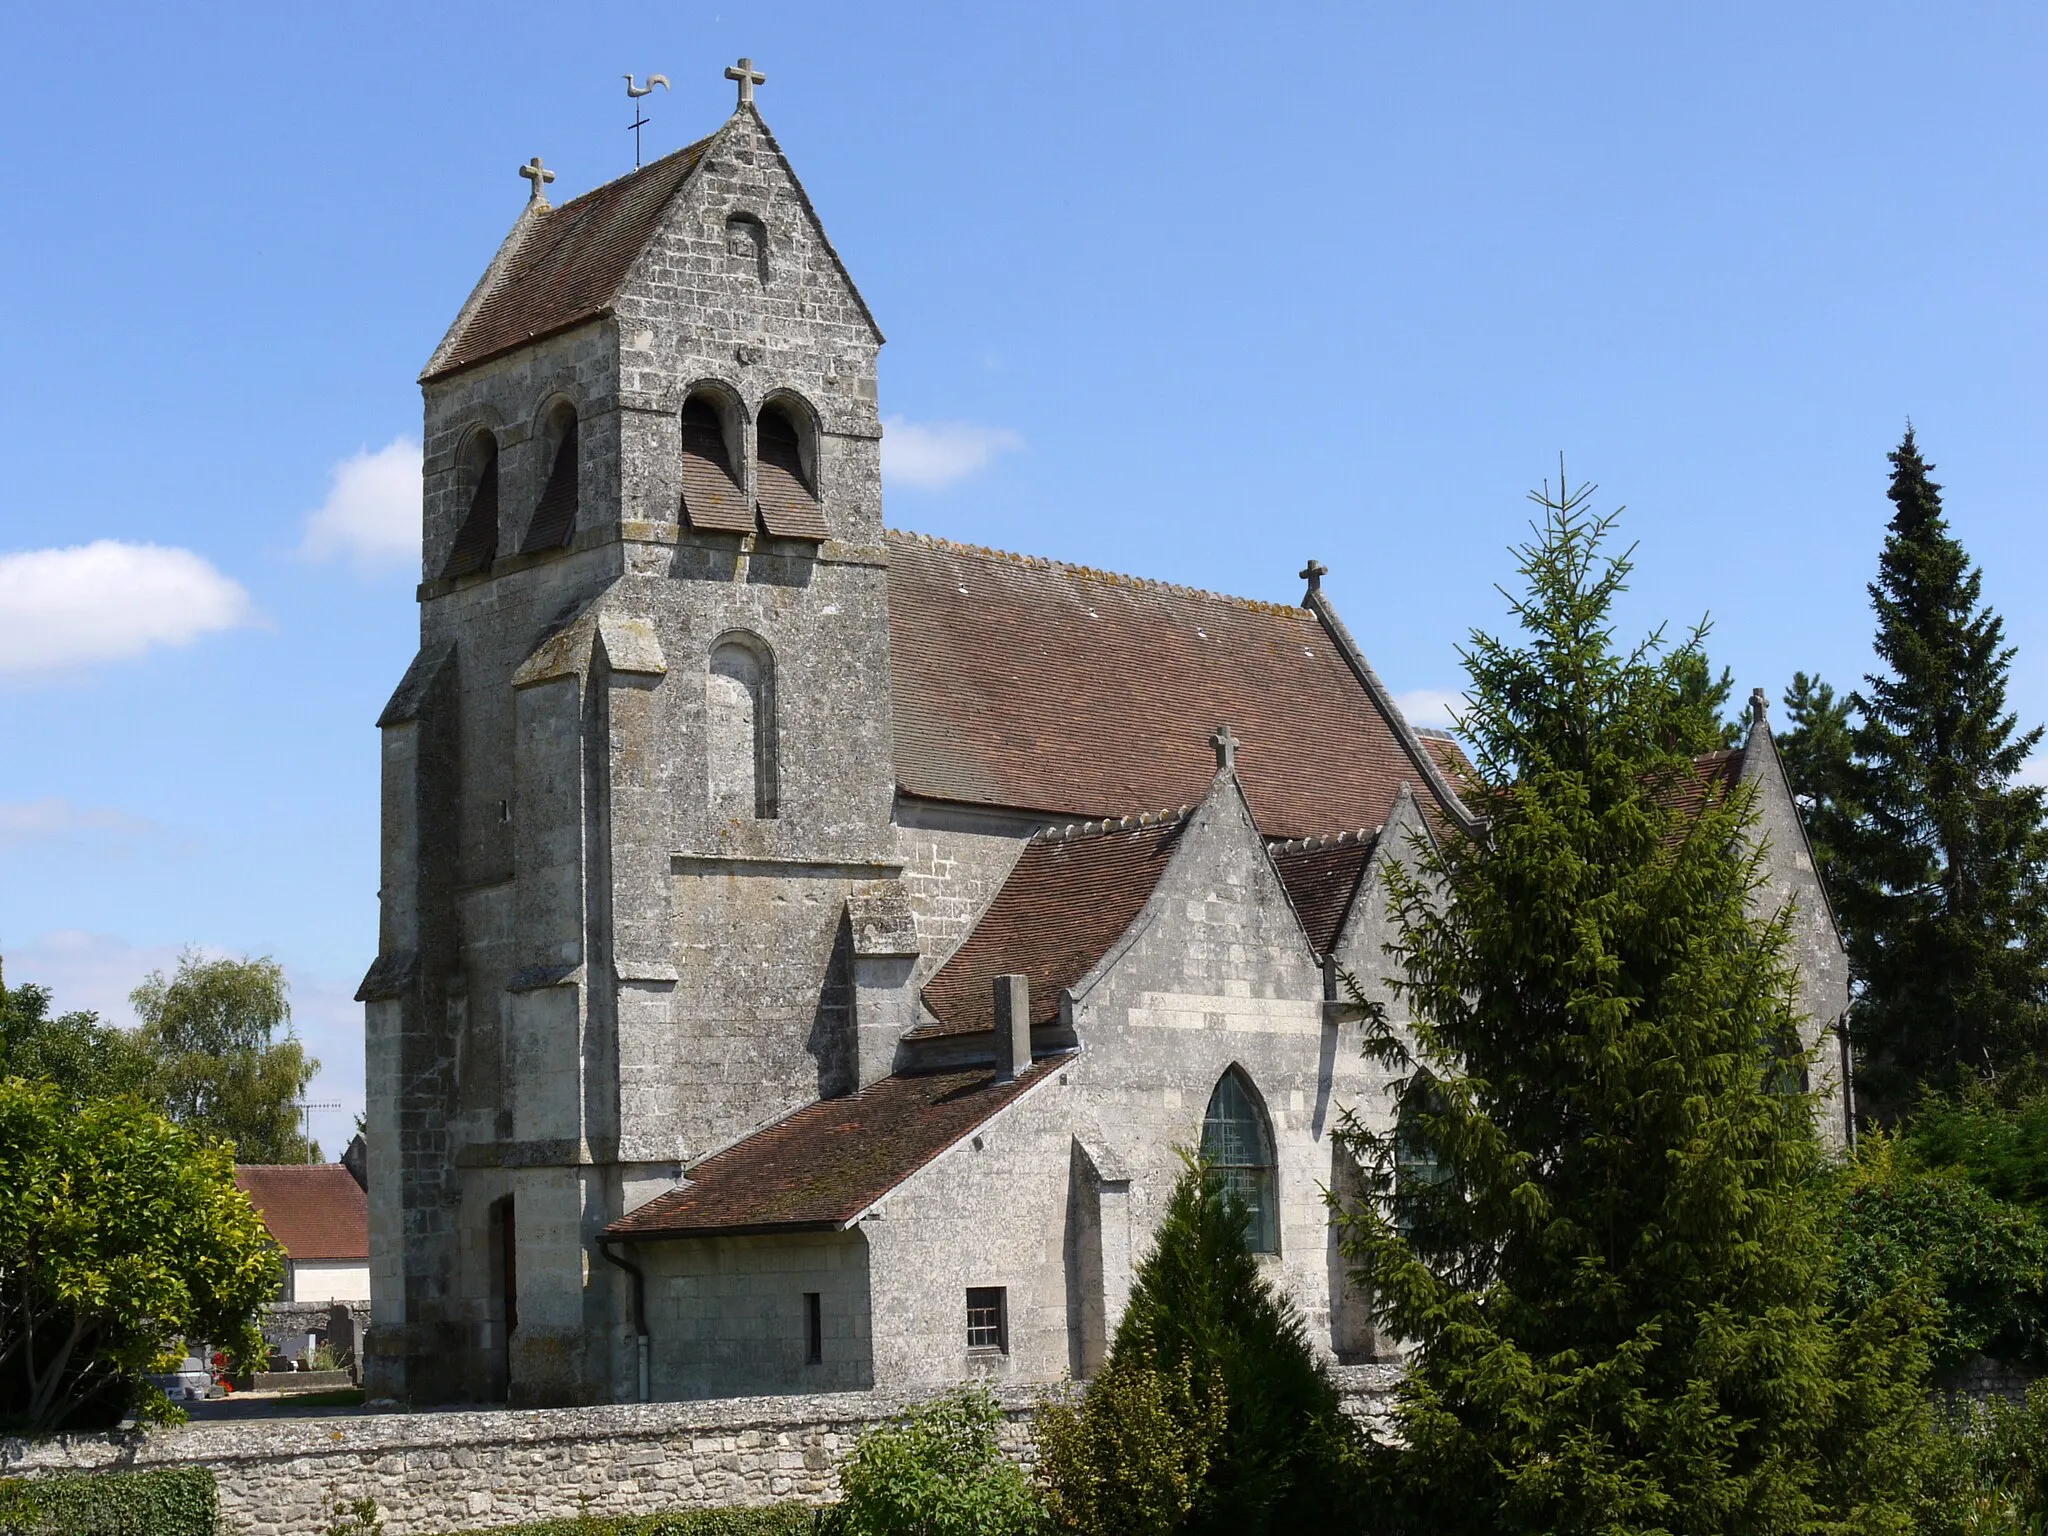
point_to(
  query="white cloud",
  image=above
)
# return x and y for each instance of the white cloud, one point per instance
(64, 609)
(934, 455)
(1430, 706)
(372, 511)
(57, 820)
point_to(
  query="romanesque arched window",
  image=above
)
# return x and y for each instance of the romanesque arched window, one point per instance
(554, 517)
(740, 727)
(786, 484)
(1421, 1179)
(476, 541)
(712, 497)
(1237, 1142)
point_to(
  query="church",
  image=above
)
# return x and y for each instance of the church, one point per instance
(806, 947)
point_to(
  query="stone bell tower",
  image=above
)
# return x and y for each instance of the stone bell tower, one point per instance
(639, 764)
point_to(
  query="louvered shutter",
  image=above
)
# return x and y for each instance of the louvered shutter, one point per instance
(554, 519)
(711, 496)
(788, 509)
(476, 542)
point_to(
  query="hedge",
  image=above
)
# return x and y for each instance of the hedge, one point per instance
(766, 1520)
(178, 1501)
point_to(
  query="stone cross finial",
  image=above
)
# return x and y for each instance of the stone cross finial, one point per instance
(1226, 747)
(1313, 573)
(1759, 706)
(540, 176)
(748, 77)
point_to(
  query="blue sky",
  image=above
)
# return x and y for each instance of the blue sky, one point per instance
(1190, 291)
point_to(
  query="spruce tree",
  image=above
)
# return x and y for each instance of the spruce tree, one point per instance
(1817, 747)
(1939, 888)
(1590, 1222)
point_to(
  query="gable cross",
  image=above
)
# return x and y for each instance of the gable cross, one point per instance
(1313, 573)
(1226, 747)
(540, 176)
(748, 77)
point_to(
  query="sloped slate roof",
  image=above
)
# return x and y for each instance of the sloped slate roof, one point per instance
(820, 1167)
(314, 1210)
(1047, 687)
(1065, 903)
(570, 263)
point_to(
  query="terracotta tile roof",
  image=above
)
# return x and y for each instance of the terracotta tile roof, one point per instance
(1712, 773)
(1066, 902)
(1450, 757)
(314, 1210)
(569, 265)
(1048, 687)
(821, 1167)
(1322, 877)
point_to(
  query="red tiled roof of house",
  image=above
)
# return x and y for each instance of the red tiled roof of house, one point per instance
(314, 1210)
(1322, 881)
(819, 1168)
(1066, 901)
(1054, 688)
(570, 263)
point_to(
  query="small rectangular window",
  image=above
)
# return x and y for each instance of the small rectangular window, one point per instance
(814, 1328)
(988, 1323)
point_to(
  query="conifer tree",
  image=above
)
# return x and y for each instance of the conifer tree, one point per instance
(1590, 1222)
(1817, 746)
(1940, 889)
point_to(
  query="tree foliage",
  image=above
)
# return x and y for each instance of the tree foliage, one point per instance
(73, 1050)
(1933, 850)
(216, 1067)
(121, 1234)
(940, 1472)
(1895, 1222)
(1612, 1278)
(1213, 1414)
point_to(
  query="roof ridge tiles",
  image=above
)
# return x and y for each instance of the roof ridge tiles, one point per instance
(1346, 839)
(1114, 578)
(1074, 831)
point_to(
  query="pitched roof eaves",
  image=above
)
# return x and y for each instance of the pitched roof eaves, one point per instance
(817, 223)
(1425, 762)
(1043, 1068)
(1086, 572)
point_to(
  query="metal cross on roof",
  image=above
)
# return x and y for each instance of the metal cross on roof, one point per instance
(748, 77)
(1226, 747)
(539, 175)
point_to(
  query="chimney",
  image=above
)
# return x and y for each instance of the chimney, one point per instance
(1013, 1027)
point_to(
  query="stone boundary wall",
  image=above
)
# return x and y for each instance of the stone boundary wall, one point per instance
(438, 1472)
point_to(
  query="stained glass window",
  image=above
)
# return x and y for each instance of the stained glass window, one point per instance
(1236, 1142)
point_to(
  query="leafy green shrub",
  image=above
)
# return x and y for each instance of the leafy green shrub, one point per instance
(121, 1235)
(2003, 1151)
(1986, 1472)
(1132, 1457)
(1986, 1258)
(1212, 1414)
(764, 1520)
(940, 1472)
(178, 1501)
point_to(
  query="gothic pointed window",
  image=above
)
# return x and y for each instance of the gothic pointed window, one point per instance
(554, 517)
(712, 497)
(476, 541)
(1238, 1144)
(789, 503)
(740, 728)
(1421, 1179)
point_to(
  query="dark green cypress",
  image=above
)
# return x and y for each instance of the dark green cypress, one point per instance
(1939, 887)
(1593, 1225)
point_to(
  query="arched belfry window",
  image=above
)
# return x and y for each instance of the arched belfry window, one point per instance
(554, 516)
(786, 487)
(1237, 1143)
(712, 497)
(740, 720)
(476, 541)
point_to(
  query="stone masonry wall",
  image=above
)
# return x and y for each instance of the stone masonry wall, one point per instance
(435, 1472)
